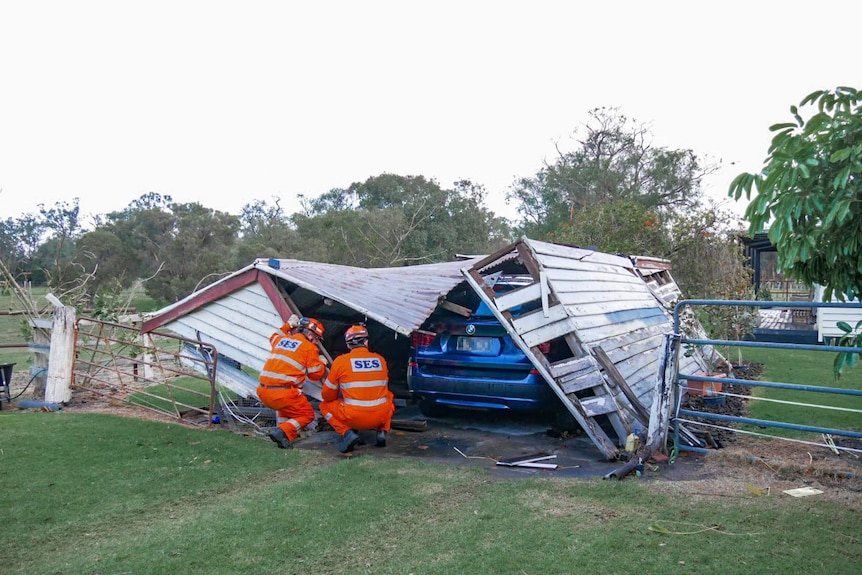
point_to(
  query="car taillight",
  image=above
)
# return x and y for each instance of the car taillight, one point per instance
(421, 339)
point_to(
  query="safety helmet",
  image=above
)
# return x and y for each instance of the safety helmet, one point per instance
(311, 325)
(355, 335)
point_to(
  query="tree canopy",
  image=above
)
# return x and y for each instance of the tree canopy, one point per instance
(616, 192)
(393, 220)
(615, 161)
(809, 192)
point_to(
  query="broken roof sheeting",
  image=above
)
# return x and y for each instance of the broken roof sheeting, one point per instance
(400, 298)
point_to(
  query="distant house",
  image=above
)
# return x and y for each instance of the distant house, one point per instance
(797, 325)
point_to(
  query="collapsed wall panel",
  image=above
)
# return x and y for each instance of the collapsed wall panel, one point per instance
(593, 302)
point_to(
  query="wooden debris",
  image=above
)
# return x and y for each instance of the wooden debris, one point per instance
(802, 491)
(409, 425)
(536, 460)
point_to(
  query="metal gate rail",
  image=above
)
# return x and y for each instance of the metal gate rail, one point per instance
(116, 362)
(685, 377)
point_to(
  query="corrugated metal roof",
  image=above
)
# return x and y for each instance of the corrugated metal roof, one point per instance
(400, 298)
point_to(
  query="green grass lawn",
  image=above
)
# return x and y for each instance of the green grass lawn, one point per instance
(806, 368)
(186, 391)
(96, 493)
(13, 329)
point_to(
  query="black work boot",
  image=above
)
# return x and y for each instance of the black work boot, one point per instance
(348, 441)
(280, 438)
(381, 439)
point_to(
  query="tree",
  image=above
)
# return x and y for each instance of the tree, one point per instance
(809, 191)
(19, 239)
(615, 161)
(126, 245)
(621, 226)
(265, 232)
(197, 254)
(55, 257)
(391, 220)
(105, 257)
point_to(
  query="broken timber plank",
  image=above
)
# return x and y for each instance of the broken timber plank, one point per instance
(537, 465)
(526, 459)
(409, 425)
(572, 365)
(537, 319)
(455, 308)
(518, 297)
(614, 375)
(588, 380)
(665, 381)
(598, 405)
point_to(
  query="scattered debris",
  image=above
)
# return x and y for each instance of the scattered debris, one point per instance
(830, 443)
(534, 460)
(409, 425)
(803, 491)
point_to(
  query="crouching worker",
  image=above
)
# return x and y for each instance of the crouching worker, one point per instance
(356, 393)
(293, 359)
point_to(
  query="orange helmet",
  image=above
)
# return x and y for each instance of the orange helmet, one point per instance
(355, 335)
(309, 324)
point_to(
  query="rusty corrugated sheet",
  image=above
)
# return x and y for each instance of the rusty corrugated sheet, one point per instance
(400, 298)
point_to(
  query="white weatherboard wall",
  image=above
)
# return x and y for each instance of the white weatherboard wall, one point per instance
(610, 306)
(828, 317)
(238, 325)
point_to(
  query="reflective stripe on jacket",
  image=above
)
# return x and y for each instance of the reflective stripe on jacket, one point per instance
(361, 376)
(293, 359)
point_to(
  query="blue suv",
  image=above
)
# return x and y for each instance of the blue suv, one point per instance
(472, 363)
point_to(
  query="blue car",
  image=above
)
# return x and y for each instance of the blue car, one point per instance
(472, 363)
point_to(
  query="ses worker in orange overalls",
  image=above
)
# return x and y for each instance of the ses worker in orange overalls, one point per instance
(356, 393)
(294, 358)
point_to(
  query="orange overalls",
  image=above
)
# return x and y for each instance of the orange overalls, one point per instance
(292, 360)
(365, 402)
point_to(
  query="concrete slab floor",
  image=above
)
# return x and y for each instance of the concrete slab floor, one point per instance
(482, 439)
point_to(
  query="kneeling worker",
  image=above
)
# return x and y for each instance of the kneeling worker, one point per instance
(294, 358)
(356, 392)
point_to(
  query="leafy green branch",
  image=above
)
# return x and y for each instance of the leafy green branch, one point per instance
(852, 338)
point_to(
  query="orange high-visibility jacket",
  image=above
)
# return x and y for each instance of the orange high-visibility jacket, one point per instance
(362, 377)
(292, 360)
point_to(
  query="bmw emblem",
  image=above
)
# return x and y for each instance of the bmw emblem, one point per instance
(471, 329)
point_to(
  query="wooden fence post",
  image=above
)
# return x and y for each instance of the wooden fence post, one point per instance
(58, 388)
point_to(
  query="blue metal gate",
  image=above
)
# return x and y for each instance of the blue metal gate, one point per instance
(682, 419)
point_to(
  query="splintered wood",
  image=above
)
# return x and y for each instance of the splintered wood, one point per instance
(537, 461)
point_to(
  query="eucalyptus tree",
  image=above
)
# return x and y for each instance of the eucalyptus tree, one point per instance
(265, 231)
(614, 161)
(197, 253)
(392, 220)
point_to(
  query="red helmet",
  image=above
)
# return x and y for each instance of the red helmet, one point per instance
(355, 334)
(311, 325)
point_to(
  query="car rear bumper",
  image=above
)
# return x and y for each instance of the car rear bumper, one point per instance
(532, 395)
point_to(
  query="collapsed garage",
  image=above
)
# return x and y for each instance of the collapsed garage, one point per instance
(591, 324)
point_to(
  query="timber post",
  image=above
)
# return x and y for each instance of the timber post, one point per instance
(58, 388)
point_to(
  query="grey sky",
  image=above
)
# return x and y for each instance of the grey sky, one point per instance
(227, 102)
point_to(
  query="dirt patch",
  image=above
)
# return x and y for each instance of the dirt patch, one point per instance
(733, 401)
(755, 467)
(752, 466)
